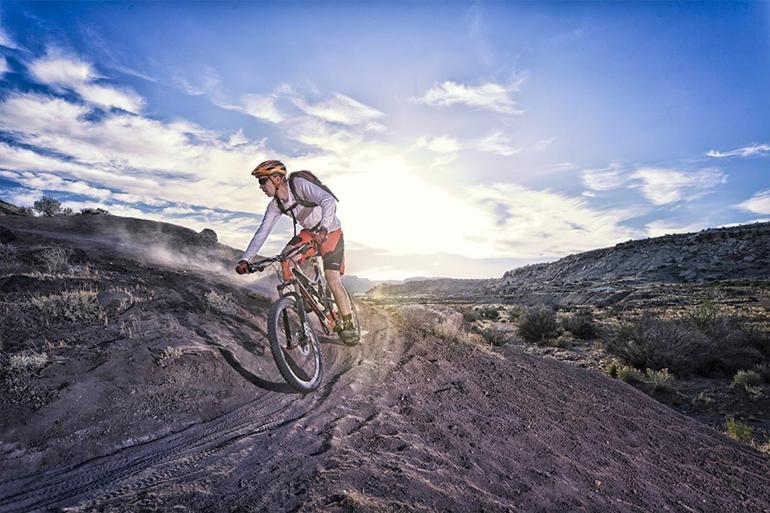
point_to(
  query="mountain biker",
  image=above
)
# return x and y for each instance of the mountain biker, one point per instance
(315, 210)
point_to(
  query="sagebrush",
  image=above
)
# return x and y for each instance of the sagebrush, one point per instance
(538, 324)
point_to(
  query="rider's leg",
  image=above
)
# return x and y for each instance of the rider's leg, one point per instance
(334, 280)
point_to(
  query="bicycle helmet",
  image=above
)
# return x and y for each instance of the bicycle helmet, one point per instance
(269, 167)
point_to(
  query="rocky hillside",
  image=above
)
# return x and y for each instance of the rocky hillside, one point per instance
(135, 375)
(609, 275)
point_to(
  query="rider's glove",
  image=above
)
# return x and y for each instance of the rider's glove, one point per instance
(242, 267)
(321, 235)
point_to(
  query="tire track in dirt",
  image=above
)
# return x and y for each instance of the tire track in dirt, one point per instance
(181, 459)
(50, 488)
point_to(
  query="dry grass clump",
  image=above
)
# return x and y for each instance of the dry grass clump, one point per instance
(657, 380)
(538, 325)
(168, 356)
(582, 325)
(496, 336)
(418, 321)
(74, 306)
(55, 260)
(746, 379)
(222, 302)
(31, 361)
(625, 373)
(739, 431)
(660, 380)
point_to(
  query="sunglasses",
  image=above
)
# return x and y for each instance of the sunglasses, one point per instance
(263, 180)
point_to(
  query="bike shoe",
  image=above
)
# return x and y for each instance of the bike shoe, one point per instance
(348, 334)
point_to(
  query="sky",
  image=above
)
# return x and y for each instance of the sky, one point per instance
(463, 139)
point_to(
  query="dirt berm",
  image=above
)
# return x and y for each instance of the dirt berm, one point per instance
(136, 377)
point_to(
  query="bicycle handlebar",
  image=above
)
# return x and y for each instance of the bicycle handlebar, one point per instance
(260, 265)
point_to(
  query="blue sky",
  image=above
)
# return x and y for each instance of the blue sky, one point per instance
(463, 138)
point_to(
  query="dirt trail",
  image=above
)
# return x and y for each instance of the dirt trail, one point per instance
(264, 448)
(425, 425)
(402, 422)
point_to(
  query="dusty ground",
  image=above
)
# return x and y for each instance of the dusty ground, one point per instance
(403, 422)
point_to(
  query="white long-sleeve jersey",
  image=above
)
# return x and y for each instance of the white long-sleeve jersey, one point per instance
(325, 214)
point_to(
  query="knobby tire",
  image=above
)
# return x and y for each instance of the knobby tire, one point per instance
(283, 324)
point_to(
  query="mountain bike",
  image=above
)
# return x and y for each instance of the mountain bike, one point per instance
(293, 340)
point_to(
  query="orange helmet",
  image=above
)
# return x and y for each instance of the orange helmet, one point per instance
(269, 167)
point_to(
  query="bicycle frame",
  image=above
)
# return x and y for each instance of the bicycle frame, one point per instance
(306, 292)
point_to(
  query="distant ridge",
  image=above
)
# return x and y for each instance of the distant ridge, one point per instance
(7, 209)
(607, 274)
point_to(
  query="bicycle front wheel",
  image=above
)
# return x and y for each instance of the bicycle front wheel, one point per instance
(295, 346)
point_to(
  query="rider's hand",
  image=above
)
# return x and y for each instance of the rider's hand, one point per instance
(321, 235)
(242, 267)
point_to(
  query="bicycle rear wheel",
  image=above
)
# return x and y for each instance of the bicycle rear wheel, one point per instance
(295, 346)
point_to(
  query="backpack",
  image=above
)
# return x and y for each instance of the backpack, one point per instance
(310, 177)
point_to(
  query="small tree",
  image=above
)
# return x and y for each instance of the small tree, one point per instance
(47, 206)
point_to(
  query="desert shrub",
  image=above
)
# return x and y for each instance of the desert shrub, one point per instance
(30, 361)
(516, 313)
(490, 313)
(628, 374)
(27, 211)
(471, 315)
(657, 344)
(660, 380)
(496, 336)
(740, 431)
(47, 206)
(581, 325)
(55, 260)
(168, 356)
(222, 302)
(93, 211)
(707, 316)
(80, 305)
(746, 379)
(538, 324)
(563, 340)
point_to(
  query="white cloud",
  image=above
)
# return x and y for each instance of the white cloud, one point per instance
(605, 179)
(544, 143)
(262, 107)
(62, 71)
(22, 197)
(759, 203)
(529, 223)
(80, 77)
(177, 162)
(440, 144)
(488, 96)
(664, 186)
(6, 40)
(663, 227)
(447, 148)
(747, 151)
(3, 66)
(49, 182)
(495, 143)
(340, 109)
(111, 97)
